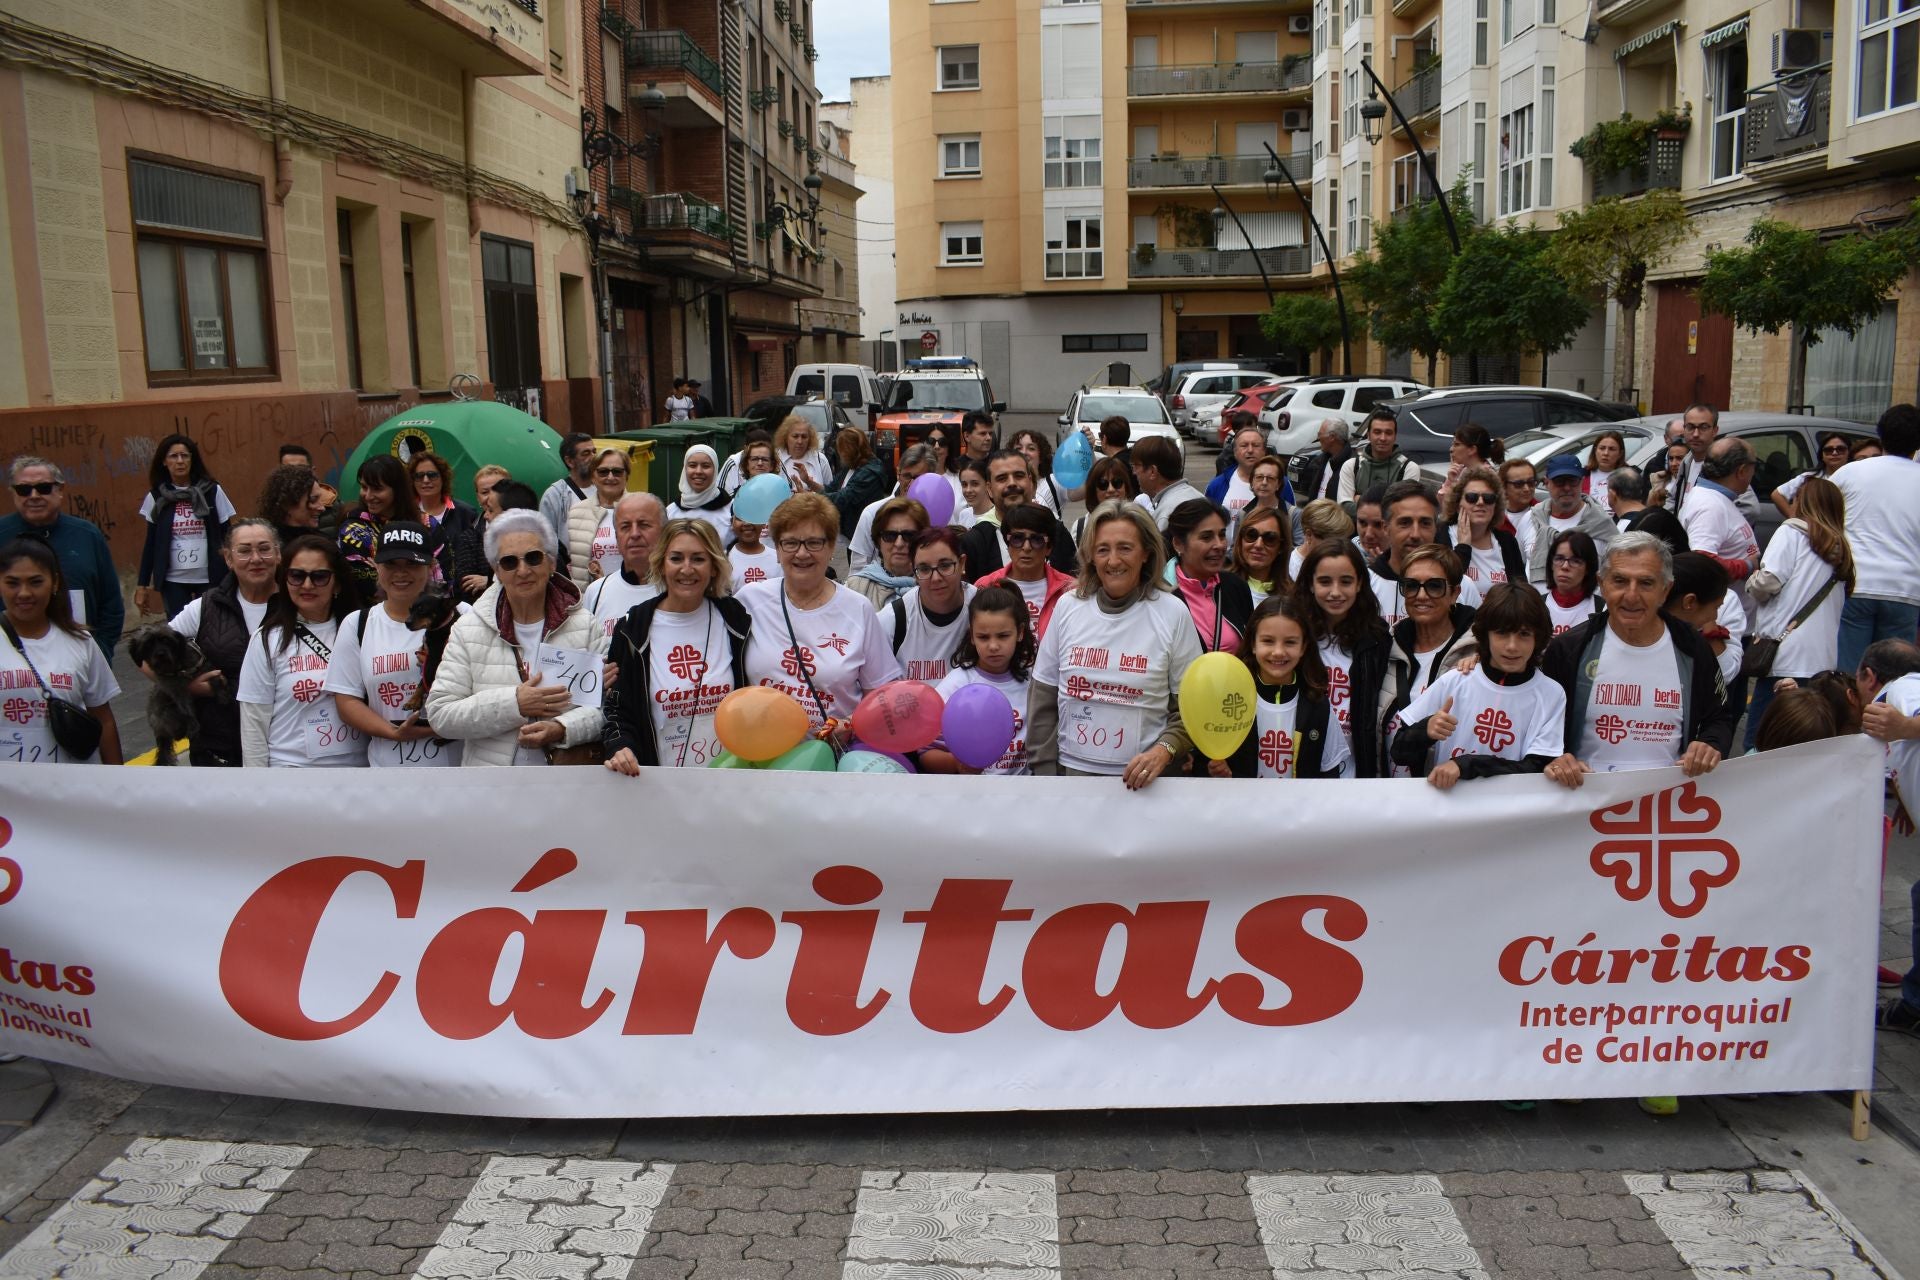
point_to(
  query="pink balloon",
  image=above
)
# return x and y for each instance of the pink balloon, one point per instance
(902, 716)
(934, 493)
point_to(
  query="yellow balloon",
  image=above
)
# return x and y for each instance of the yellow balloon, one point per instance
(758, 723)
(1216, 703)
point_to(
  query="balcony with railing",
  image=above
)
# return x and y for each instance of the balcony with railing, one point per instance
(1419, 95)
(1220, 171)
(1293, 74)
(1789, 117)
(1656, 168)
(1200, 264)
(673, 61)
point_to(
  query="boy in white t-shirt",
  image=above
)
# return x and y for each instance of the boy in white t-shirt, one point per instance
(1501, 717)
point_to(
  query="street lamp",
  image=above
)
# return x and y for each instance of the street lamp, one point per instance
(1372, 112)
(1258, 261)
(1275, 174)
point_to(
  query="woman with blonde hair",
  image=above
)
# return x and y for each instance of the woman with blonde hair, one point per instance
(1118, 718)
(677, 654)
(593, 548)
(802, 461)
(483, 482)
(1799, 592)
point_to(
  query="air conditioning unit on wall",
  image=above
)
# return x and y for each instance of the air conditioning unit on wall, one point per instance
(1798, 48)
(1299, 24)
(1296, 119)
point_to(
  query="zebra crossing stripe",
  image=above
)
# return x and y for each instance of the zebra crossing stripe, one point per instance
(546, 1216)
(1314, 1225)
(921, 1226)
(164, 1208)
(1762, 1222)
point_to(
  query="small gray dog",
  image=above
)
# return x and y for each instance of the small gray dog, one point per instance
(172, 661)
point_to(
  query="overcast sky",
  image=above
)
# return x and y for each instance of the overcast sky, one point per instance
(852, 38)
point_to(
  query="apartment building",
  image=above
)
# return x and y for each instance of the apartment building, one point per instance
(1008, 187)
(257, 221)
(830, 324)
(707, 189)
(868, 118)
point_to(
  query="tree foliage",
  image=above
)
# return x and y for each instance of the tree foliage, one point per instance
(1309, 320)
(1787, 276)
(1503, 294)
(1399, 282)
(1609, 246)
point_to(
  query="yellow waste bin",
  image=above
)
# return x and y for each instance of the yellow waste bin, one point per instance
(640, 457)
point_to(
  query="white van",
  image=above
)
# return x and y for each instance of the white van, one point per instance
(854, 387)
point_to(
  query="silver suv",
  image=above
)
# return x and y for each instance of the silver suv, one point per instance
(1201, 393)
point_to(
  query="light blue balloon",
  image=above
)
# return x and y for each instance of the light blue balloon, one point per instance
(1072, 462)
(871, 762)
(755, 500)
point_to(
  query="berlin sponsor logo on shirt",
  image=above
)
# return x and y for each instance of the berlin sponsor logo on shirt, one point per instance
(1494, 728)
(1133, 662)
(1668, 698)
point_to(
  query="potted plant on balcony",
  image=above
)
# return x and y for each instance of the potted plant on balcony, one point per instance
(1613, 146)
(1145, 254)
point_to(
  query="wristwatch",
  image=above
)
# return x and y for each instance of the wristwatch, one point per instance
(1167, 747)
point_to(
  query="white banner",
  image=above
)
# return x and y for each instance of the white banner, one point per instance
(572, 943)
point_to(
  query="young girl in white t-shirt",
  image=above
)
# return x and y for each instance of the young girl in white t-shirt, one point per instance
(1295, 733)
(997, 651)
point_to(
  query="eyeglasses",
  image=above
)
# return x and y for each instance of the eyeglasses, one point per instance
(611, 473)
(301, 577)
(426, 477)
(255, 553)
(940, 570)
(1028, 540)
(794, 545)
(1435, 587)
(41, 487)
(1268, 537)
(1478, 499)
(533, 560)
(1569, 561)
(896, 535)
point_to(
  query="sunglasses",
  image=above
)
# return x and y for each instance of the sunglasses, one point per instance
(1521, 484)
(1267, 537)
(533, 560)
(1833, 448)
(1027, 540)
(1435, 587)
(611, 473)
(896, 535)
(41, 487)
(426, 477)
(302, 577)
(1478, 499)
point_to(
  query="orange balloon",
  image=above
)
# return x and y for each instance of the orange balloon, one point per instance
(757, 723)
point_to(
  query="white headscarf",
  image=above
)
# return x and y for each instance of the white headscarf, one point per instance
(692, 499)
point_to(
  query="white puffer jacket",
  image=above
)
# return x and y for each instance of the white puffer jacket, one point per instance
(474, 694)
(582, 521)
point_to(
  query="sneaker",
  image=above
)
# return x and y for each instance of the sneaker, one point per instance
(10, 1057)
(1665, 1106)
(1889, 978)
(1898, 1015)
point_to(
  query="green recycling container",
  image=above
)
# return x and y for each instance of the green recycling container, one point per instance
(729, 434)
(670, 445)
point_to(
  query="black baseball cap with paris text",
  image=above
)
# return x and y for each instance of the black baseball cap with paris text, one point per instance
(404, 540)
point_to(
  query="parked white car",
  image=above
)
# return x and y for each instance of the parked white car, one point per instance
(1144, 413)
(1293, 414)
(1208, 389)
(854, 387)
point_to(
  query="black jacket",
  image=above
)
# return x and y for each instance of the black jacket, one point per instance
(457, 549)
(1509, 546)
(156, 553)
(629, 699)
(222, 637)
(1411, 745)
(1662, 524)
(1234, 600)
(1310, 723)
(1314, 472)
(982, 545)
(1368, 672)
(1706, 713)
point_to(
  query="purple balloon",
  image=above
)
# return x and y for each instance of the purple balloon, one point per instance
(934, 493)
(977, 725)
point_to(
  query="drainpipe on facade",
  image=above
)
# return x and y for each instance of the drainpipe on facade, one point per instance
(277, 90)
(469, 88)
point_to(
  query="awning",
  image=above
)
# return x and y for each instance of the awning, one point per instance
(1644, 39)
(1734, 29)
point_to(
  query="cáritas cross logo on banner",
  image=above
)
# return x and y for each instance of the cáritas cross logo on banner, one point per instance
(1653, 841)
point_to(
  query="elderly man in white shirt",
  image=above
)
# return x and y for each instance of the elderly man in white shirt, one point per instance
(1709, 512)
(1883, 528)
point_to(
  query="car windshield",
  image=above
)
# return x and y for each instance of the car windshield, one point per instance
(938, 393)
(1132, 408)
(1528, 440)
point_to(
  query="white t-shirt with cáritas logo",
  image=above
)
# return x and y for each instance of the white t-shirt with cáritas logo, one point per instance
(1507, 722)
(606, 546)
(74, 669)
(187, 549)
(1635, 712)
(1883, 526)
(1014, 762)
(382, 669)
(689, 668)
(1277, 740)
(840, 643)
(1567, 617)
(1486, 568)
(1339, 664)
(608, 599)
(926, 651)
(1116, 674)
(750, 567)
(1034, 593)
(305, 731)
(1239, 492)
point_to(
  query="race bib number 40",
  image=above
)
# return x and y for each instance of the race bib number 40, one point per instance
(578, 669)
